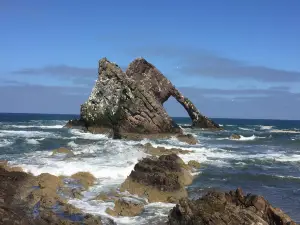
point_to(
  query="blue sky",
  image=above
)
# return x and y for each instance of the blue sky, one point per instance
(231, 58)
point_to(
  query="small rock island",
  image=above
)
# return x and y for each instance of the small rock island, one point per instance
(131, 102)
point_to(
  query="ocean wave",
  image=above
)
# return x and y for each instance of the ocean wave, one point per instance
(5, 143)
(152, 211)
(288, 158)
(114, 161)
(86, 135)
(248, 129)
(287, 177)
(285, 131)
(35, 126)
(265, 127)
(251, 138)
(32, 141)
(242, 138)
(72, 144)
(25, 133)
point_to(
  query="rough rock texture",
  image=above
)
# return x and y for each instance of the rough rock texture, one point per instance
(126, 207)
(132, 102)
(29, 200)
(158, 151)
(235, 137)
(187, 138)
(217, 208)
(64, 151)
(194, 164)
(159, 180)
(86, 179)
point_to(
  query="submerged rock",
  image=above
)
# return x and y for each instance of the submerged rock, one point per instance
(68, 153)
(218, 208)
(235, 137)
(109, 196)
(126, 207)
(159, 180)
(131, 102)
(194, 164)
(158, 151)
(187, 138)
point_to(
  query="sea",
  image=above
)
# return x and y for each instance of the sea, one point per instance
(265, 161)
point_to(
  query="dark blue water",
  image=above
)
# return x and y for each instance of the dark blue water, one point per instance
(265, 161)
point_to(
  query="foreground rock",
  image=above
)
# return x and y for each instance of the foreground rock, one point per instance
(217, 208)
(29, 200)
(131, 102)
(160, 180)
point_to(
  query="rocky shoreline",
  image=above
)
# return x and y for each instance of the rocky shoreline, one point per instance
(161, 177)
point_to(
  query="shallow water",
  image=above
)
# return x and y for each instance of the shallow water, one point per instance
(265, 161)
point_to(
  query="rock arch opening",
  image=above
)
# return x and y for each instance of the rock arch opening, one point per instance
(197, 119)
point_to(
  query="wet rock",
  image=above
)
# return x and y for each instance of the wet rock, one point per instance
(194, 164)
(92, 220)
(126, 207)
(109, 196)
(158, 151)
(75, 193)
(159, 179)
(46, 180)
(187, 138)
(64, 151)
(218, 208)
(86, 179)
(29, 200)
(4, 164)
(235, 137)
(124, 103)
(111, 212)
(69, 209)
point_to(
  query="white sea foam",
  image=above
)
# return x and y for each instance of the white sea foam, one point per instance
(86, 135)
(285, 131)
(5, 142)
(152, 210)
(36, 126)
(243, 128)
(288, 158)
(114, 163)
(32, 141)
(243, 138)
(25, 133)
(72, 144)
(287, 177)
(265, 127)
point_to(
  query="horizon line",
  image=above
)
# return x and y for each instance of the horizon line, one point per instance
(71, 114)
